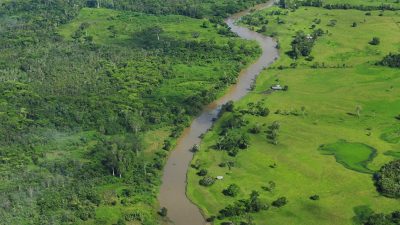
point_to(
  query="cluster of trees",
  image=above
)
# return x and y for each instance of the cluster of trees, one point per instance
(232, 141)
(303, 43)
(391, 60)
(255, 20)
(256, 109)
(387, 179)
(251, 205)
(273, 132)
(232, 190)
(191, 8)
(383, 219)
(294, 4)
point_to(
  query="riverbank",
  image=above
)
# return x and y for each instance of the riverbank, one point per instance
(173, 190)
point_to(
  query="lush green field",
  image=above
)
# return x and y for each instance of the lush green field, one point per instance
(339, 95)
(362, 2)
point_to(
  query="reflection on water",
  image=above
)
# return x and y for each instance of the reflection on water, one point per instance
(173, 190)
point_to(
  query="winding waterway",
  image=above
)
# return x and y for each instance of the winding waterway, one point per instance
(181, 211)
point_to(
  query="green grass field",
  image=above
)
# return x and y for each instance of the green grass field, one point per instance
(330, 97)
(363, 2)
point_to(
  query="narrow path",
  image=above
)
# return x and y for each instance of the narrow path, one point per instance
(173, 190)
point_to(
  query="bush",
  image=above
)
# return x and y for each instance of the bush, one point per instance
(375, 41)
(256, 129)
(314, 197)
(391, 60)
(232, 190)
(244, 206)
(233, 139)
(387, 179)
(163, 212)
(280, 202)
(202, 172)
(207, 181)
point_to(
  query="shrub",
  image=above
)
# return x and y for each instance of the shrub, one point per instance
(232, 190)
(391, 60)
(387, 179)
(375, 41)
(202, 172)
(233, 139)
(207, 181)
(255, 129)
(244, 206)
(210, 219)
(314, 197)
(163, 212)
(280, 202)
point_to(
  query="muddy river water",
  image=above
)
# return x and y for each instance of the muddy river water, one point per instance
(181, 211)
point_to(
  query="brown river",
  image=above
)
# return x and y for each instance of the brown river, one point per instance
(181, 211)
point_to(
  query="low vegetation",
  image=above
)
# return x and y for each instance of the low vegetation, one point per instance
(340, 91)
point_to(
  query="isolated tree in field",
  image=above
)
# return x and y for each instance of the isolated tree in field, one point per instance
(207, 181)
(232, 190)
(280, 202)
(202, 172)
(375, 41)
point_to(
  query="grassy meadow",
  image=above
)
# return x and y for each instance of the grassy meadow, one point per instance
(340, 100)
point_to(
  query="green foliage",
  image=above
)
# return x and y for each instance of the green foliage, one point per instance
(232, 190)
(163, 212)
(391, 60)
(81, 88)
(251, 205)
(202, 172)
(375, 41)
(256, 109)
(207, 181)
(387, 179)
(383, 219)
(280, 202)
(232, 141)
(303, 43)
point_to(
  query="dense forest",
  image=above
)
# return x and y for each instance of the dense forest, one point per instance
(75, 111)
